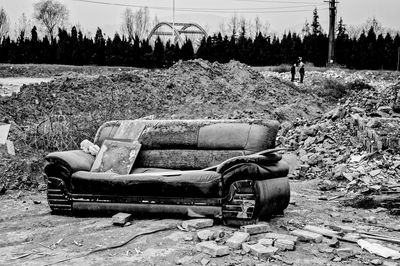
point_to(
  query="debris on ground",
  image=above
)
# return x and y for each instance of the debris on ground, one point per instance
(342, 129)
(121, 218)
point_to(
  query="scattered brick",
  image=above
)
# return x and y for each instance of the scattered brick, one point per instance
(237, 239)
(253, 229)
(259, 250)
(212, 248)
(205, 234)
(281, 236)
(197, 223)
(121, 218)
(284, 244)
(266, 241)
(307, 236)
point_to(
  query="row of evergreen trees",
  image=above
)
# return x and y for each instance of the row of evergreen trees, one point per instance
(368, 51)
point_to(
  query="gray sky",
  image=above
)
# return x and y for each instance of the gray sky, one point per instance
(281, 15)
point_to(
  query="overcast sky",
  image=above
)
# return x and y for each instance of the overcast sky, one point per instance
(281, 15)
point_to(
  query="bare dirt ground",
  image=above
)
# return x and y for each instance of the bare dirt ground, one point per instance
(30, 235)
(330, 163)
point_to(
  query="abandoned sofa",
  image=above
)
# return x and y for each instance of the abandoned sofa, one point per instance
(191, 167)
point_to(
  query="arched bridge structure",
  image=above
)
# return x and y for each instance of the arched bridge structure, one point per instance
(181, 31)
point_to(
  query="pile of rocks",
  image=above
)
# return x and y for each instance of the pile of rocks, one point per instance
(354, 147)
(256, 239)
(262, 243)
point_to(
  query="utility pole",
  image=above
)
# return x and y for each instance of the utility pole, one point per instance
(332, 25)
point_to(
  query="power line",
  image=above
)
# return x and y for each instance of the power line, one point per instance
(280, 2)
(209, 10)
(255, 11)
(246, 9)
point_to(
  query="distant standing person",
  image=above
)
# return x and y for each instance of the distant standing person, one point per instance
(301, 71)
(293, 71)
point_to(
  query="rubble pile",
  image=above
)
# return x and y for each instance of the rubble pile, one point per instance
(265, 242)
(354, 147)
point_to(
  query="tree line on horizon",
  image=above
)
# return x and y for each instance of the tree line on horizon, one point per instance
(367, 51)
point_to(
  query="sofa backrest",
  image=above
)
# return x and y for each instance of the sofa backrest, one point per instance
(191, 144)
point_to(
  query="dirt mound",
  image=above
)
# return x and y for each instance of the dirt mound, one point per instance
(59, 114)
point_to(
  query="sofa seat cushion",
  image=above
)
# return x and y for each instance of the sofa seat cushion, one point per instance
(191, 184)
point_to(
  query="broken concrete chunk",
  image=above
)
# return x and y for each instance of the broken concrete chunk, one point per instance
(121, 218)
(284, 244)
(235, 242)
(259, 250)
(307, 236)
(205, 235)
(276, 236)
(197, 223)
(339, 170)
(334, 242)
(212, 248)
(204, 261)
(266, 241)
(378, 249)
(376, 262)
(253, 229)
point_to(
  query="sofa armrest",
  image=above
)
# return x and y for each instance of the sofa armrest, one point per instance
(73, 161)
(257, 159)
(253, 171)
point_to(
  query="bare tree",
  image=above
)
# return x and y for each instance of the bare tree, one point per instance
(4, 23)
(261, 26)
(127, 23)
(155, 22)
(222, 28)
(258, 25)
(233, 25)
(136, 23)
(243, 26)
(50, 14)
(23, 27)
(354, 31)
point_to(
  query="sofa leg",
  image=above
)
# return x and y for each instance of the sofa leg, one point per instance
(239, 208)
(59, 199)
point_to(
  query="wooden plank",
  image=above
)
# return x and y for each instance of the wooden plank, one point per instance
(116, 157)
(321, 230)
(378, 249)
